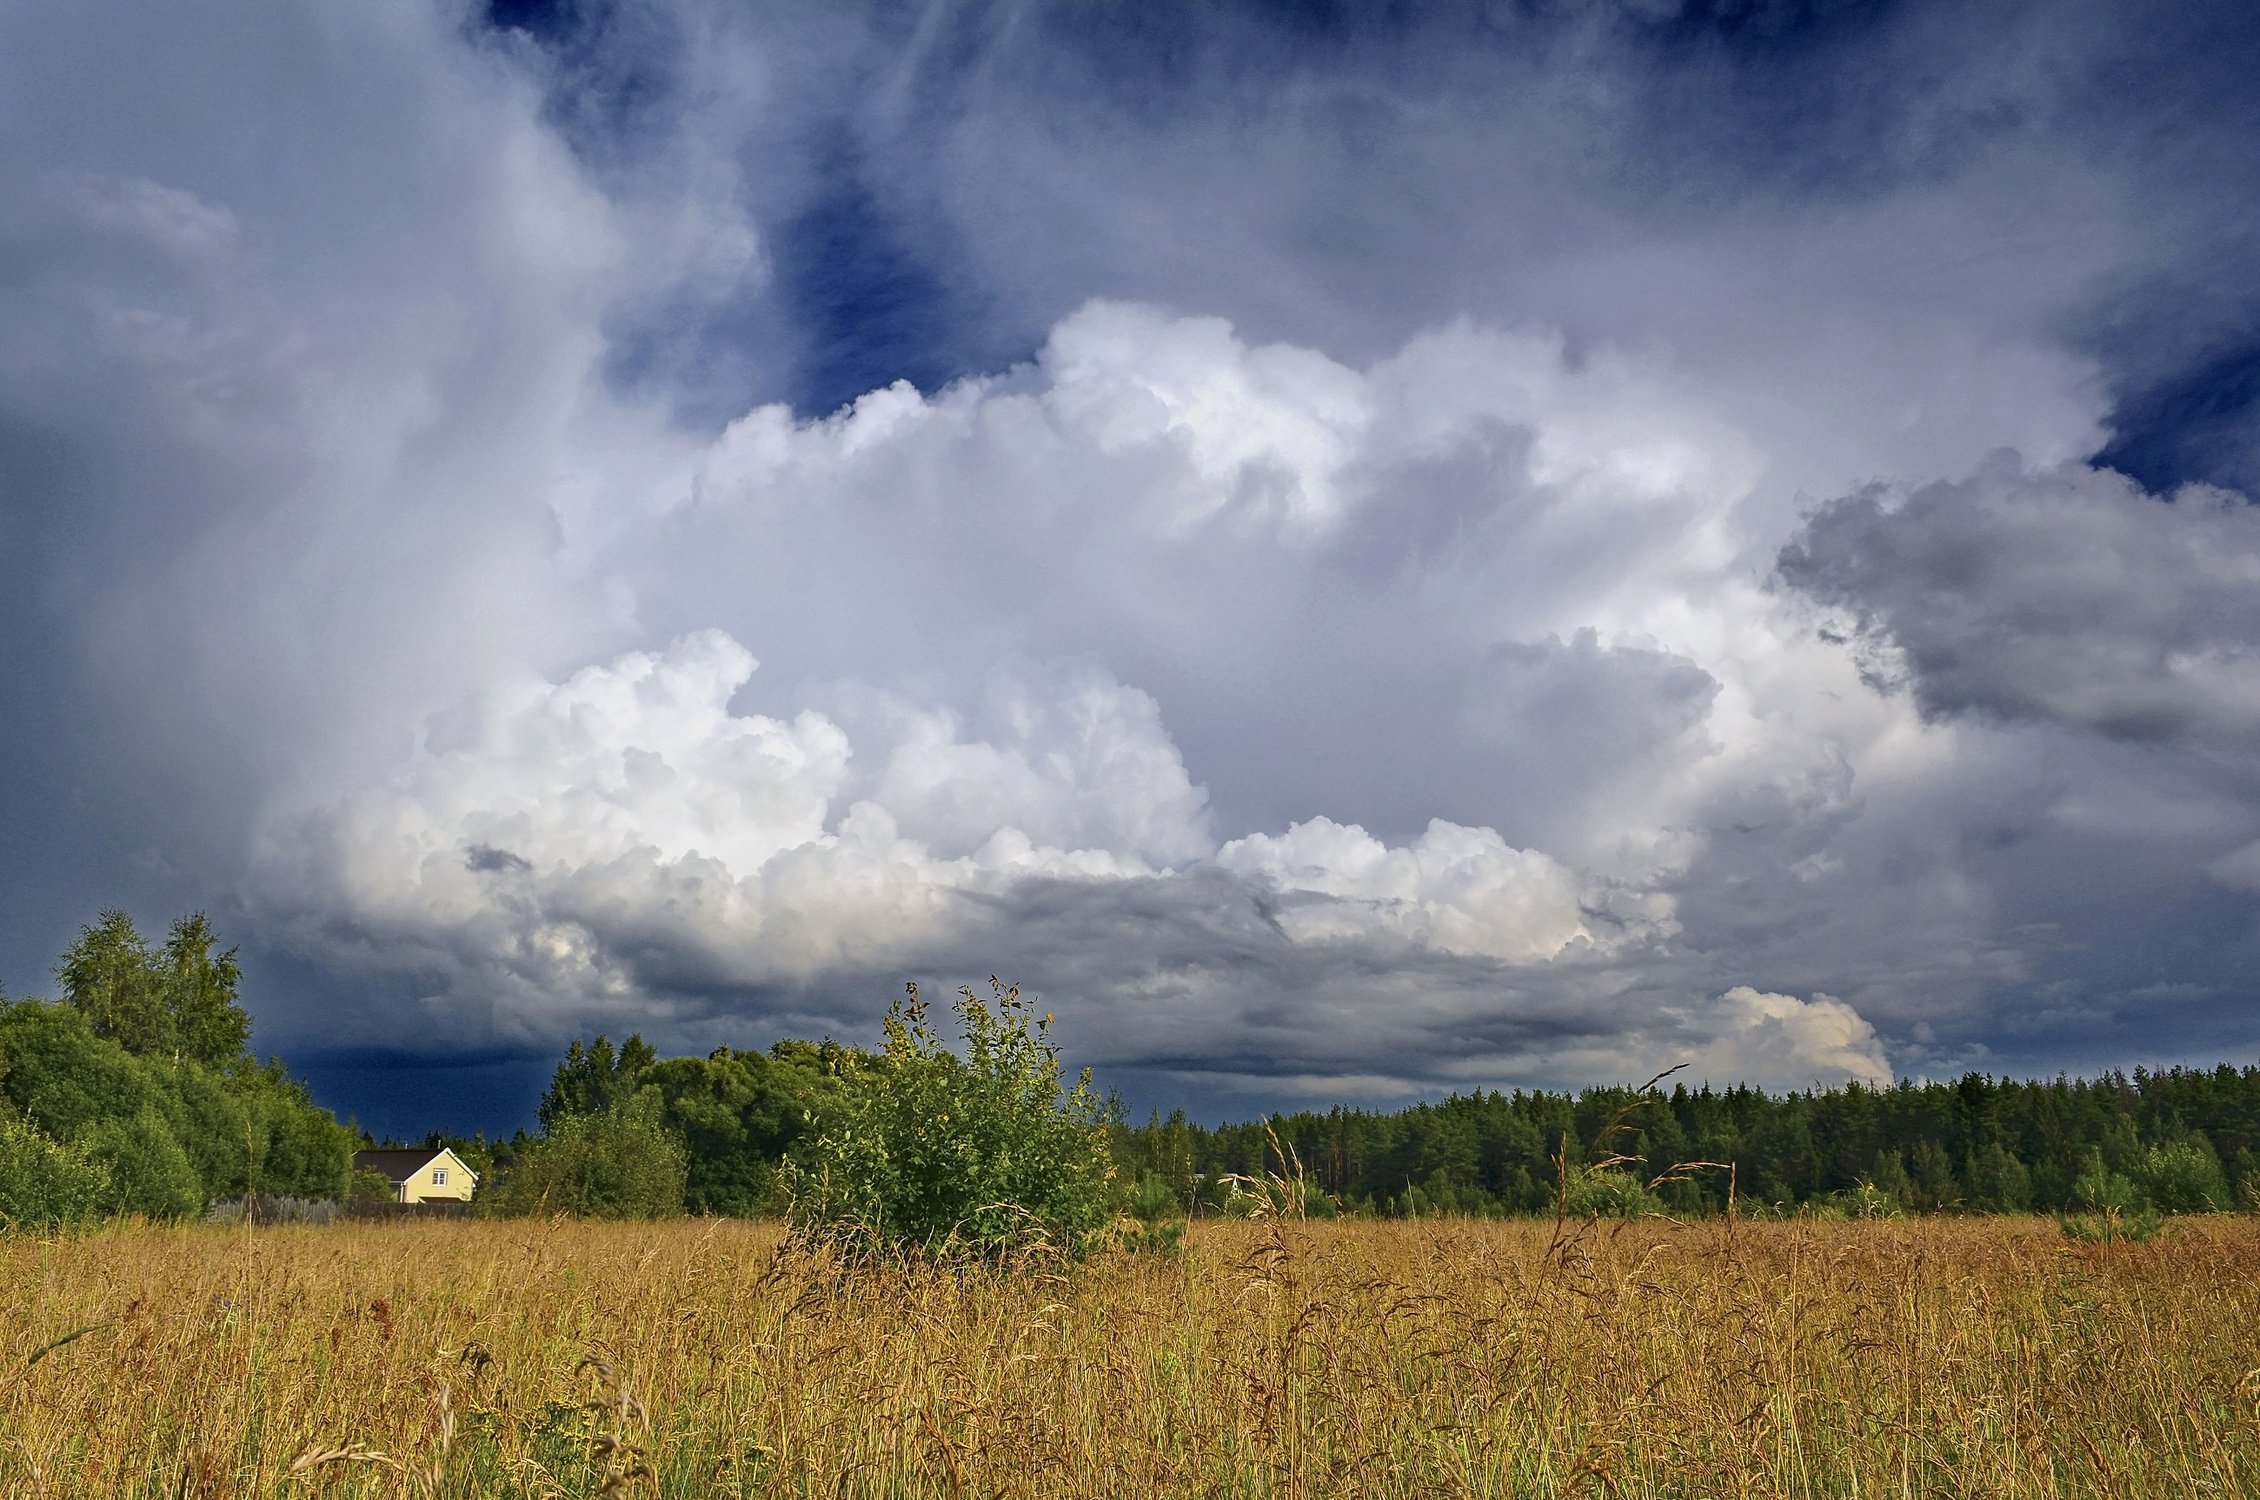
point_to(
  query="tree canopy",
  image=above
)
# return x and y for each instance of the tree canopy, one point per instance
(137, 1092)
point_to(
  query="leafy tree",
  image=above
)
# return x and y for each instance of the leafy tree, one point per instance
(62, 1076)
(986, 1155)
(112, 979)
(246, 1126)
(45, 1184)
(308, 1153)
(622, 1163)
(198, 987)
(2098, 1189)
(1891, 1180)
(368, 1186)
(149, 1172)
(738, 1113)
(592, 1079)
(179, 1001)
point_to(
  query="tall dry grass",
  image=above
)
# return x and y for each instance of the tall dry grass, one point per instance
(1946, 1357)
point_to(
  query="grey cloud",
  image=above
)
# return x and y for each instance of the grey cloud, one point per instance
(2063, 596)
(485, 859)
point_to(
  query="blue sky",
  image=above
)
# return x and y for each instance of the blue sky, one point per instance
(1358, 550)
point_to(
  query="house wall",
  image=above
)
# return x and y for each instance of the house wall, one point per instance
(458, 1187)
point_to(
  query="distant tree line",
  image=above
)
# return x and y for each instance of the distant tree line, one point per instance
(2179, 1140)
(137, 1091)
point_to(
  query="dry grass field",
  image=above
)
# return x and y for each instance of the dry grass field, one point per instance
(1941, 1357)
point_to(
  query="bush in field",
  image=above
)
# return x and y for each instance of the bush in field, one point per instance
(984, 1155)
(45, 1184)
(1610, 1194)
(1157, 1217)
(2110, 1206)
(619, 1163)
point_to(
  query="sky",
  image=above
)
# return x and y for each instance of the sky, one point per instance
(1358, 551)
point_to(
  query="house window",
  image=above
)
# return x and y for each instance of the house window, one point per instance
(439, 1177)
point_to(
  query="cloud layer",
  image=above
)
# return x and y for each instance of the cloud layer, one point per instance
(1356, 560)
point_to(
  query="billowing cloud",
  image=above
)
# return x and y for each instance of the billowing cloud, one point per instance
(1782, 1037)
(1363, 557)
(2063, 596)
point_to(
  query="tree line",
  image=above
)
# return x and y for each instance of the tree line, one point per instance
(137, 1091)
(2176, 1140)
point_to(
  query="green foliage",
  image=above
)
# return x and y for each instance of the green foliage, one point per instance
(45, 1184)
(1868, 1200)
(2182, 1176)
(157, 1036)
(1158, 1218)
(367, 1186)
(2098, 1189)
(109, 978)
(594, 1079)
(199, 990)
(984, 1155)
(176, 1001)
(63, 1077)
(622, 1163)
(1972, 1144)
(1932, 1146)
(1997, 1181)
(1610, 1194)
(1932, 1170)
(308, 1153)
(2109, 1207)
(224, 1132)
(1890, 1180)
(149, 1172)
(736, 1113)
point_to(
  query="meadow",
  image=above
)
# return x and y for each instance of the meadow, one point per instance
(1941, 1356)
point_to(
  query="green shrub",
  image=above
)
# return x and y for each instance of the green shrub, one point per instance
(2182, 1176)
(1157, 1218)
(1610, 1195)
(45, 1184)
(149, 1172)
(986, 1155)
(371, 1187)
(1866, 1200)
(621, 1163)
(2109, 1207)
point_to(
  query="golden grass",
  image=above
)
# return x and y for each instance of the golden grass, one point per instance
(1948, 1357)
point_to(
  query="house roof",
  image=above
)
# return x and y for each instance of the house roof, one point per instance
(400, 1165)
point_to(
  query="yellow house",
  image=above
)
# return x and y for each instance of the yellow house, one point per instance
(422, 1174)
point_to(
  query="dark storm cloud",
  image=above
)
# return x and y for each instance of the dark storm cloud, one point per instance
(2068, 596)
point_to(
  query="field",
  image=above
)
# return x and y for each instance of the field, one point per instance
(1934, 1357)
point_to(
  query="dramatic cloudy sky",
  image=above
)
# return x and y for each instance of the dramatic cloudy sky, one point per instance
(1357, 556)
